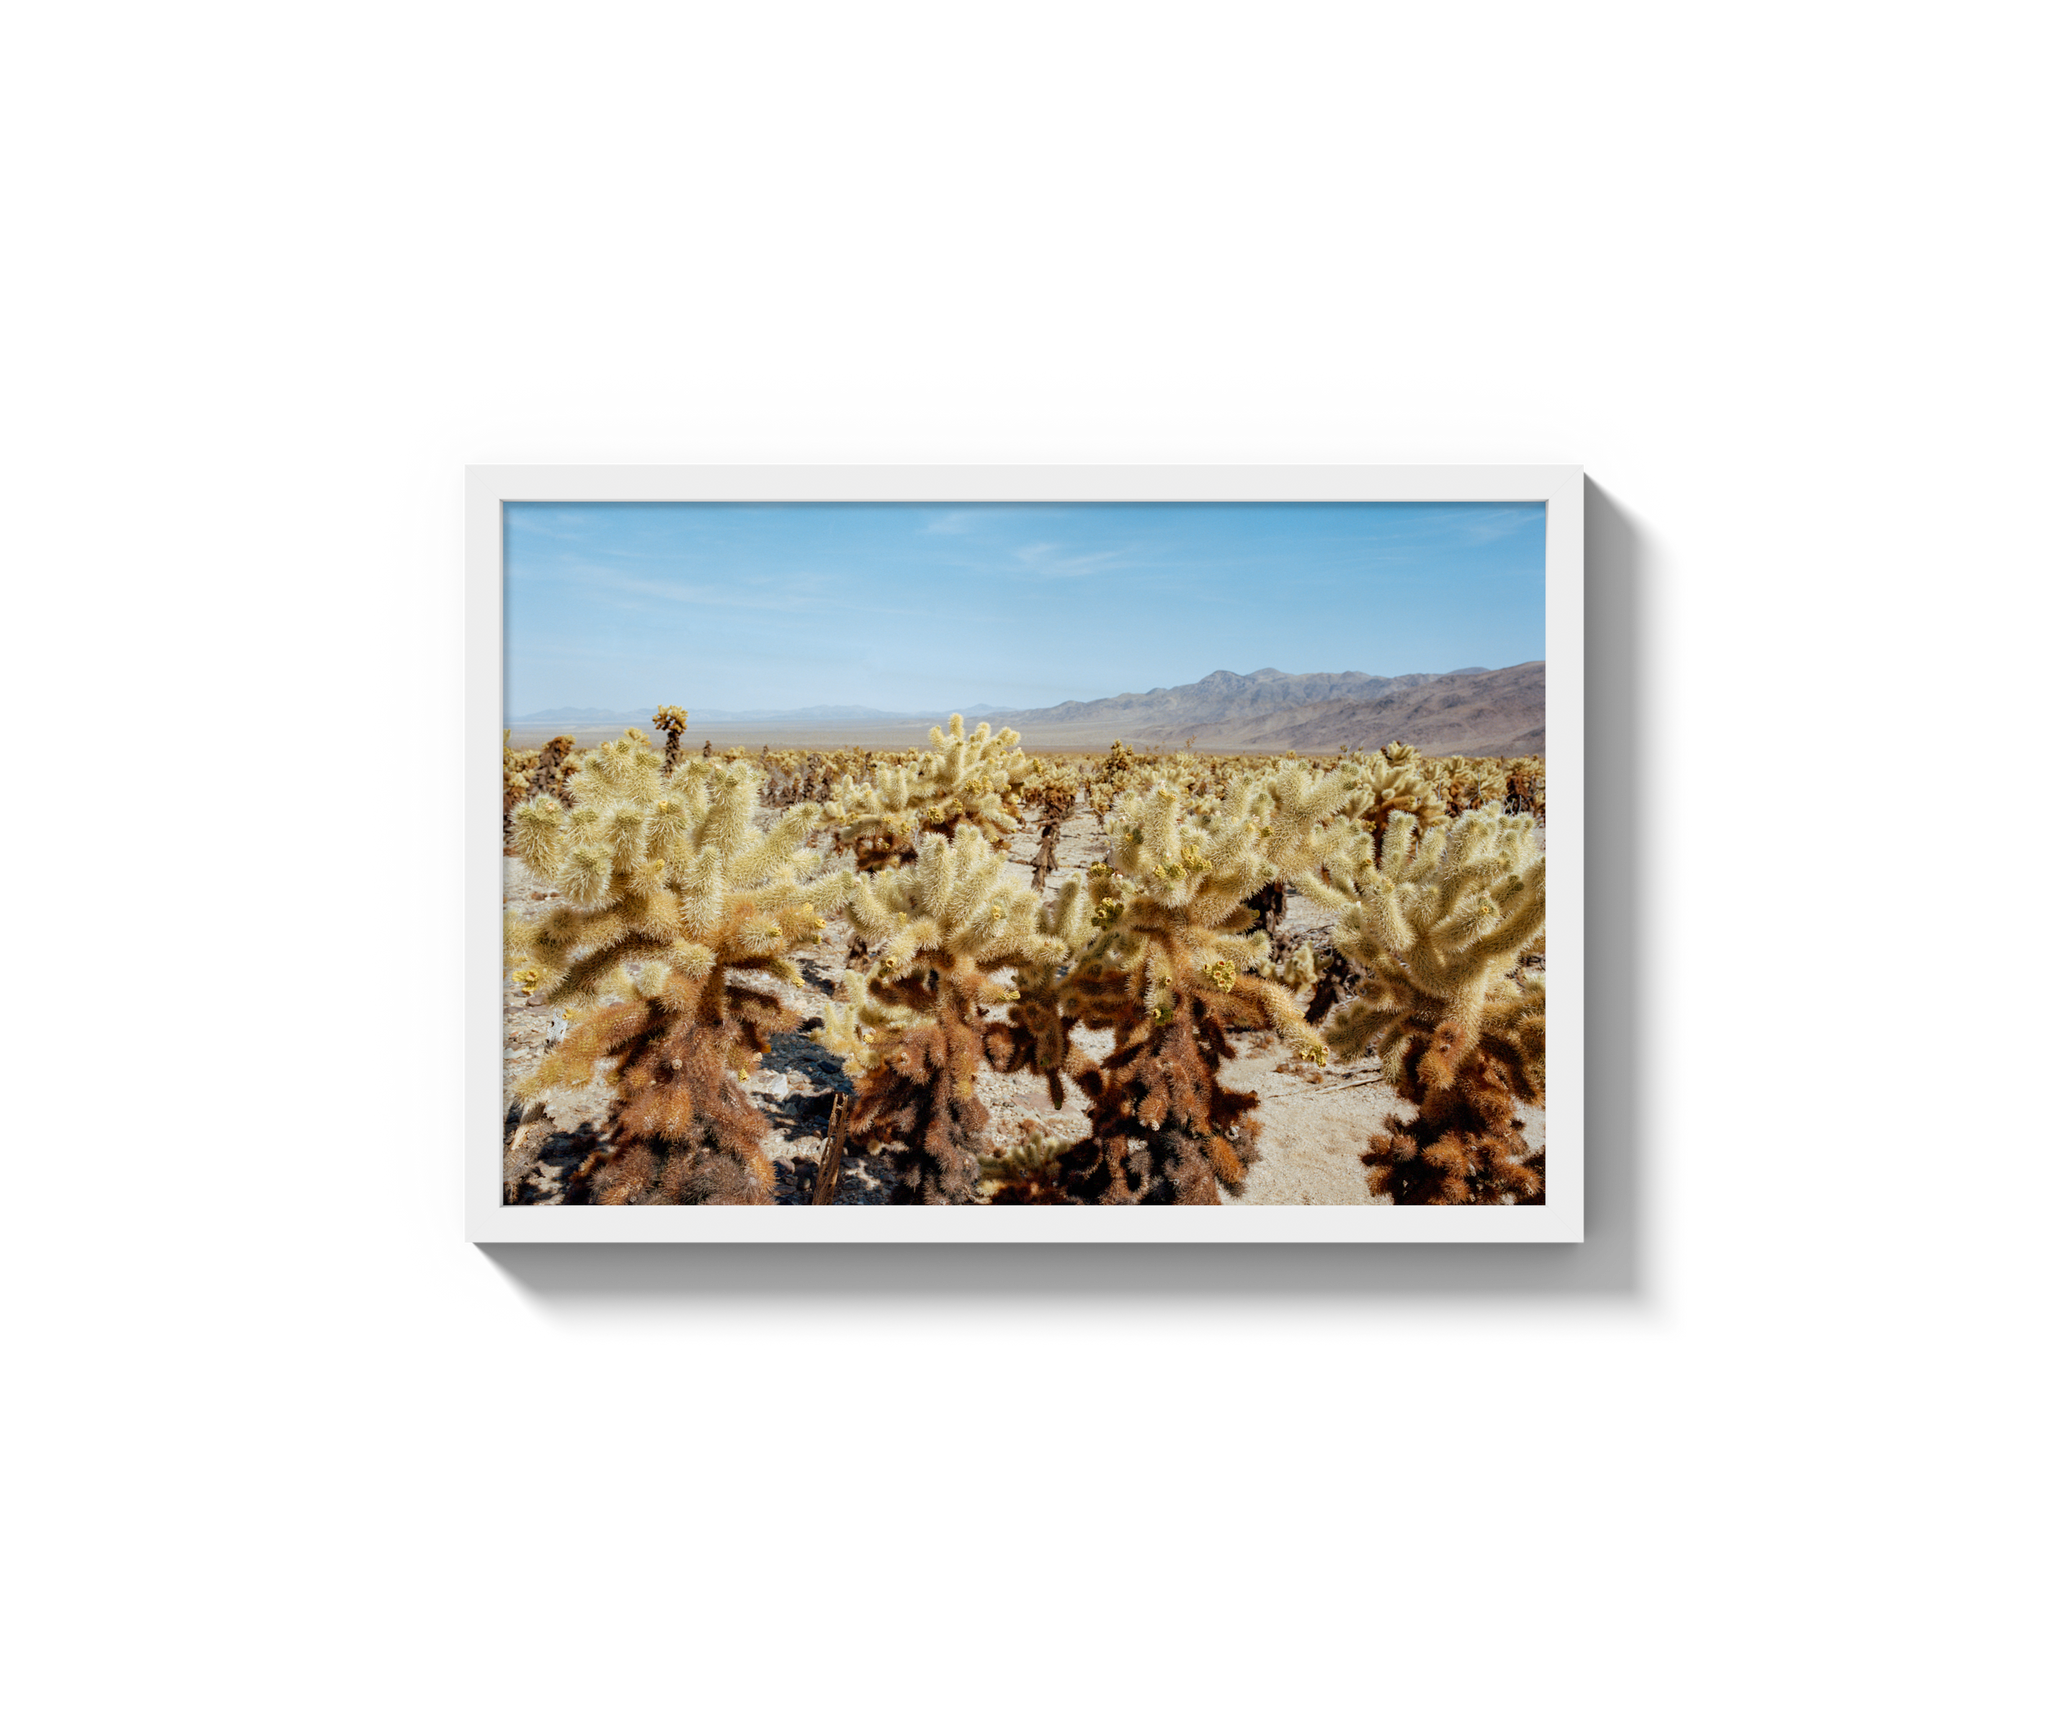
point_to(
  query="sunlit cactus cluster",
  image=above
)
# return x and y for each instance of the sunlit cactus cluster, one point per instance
(671, 899)
(1442, 922)
(965, 779)
(1170, 973)
(684, 895)
(945, 929)
(533, 771)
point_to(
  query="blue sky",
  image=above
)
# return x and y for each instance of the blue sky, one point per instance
(906, 607)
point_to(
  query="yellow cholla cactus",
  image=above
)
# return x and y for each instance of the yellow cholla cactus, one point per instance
(1027, 1173)
(1440, 920)
(944, 930)
(861, 1028)
(965, 780)
(1392, 781)
(1170, 971)
(671, 897)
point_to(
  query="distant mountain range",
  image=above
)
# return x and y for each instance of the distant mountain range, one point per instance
(1477, 711)
(1480, 712)
(1227, 697)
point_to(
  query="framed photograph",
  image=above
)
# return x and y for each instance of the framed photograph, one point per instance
(1025, 854)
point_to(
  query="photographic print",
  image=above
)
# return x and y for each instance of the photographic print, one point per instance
(1051, 855)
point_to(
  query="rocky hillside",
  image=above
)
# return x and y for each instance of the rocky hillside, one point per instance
(1478, 712)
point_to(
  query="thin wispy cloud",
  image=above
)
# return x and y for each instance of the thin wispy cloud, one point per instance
(1491, 524)
(1051, 561)
(793, 596)
(533, 525)
(989, 519)
(655, 554)
(907, 606)
(1473, 522)
(695, 595)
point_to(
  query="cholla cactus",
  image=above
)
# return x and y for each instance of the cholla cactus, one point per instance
(1169, 972)
(1052, 789)
(1027, 1173)
(528, 773)
(1439, 923)
(519, 767)
(671, 719)
(558, 762)
(671, 895)
(1111, 778)
(859, 1026)
(1392, 781)
(913, 1029)
(1329, 978)
(1037, 1034)
(518, 761)
(1292, 968)
(1526, 786)
(1465, 784)
(964, 781)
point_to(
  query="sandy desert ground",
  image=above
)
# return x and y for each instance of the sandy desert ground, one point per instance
(1315, 1122)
